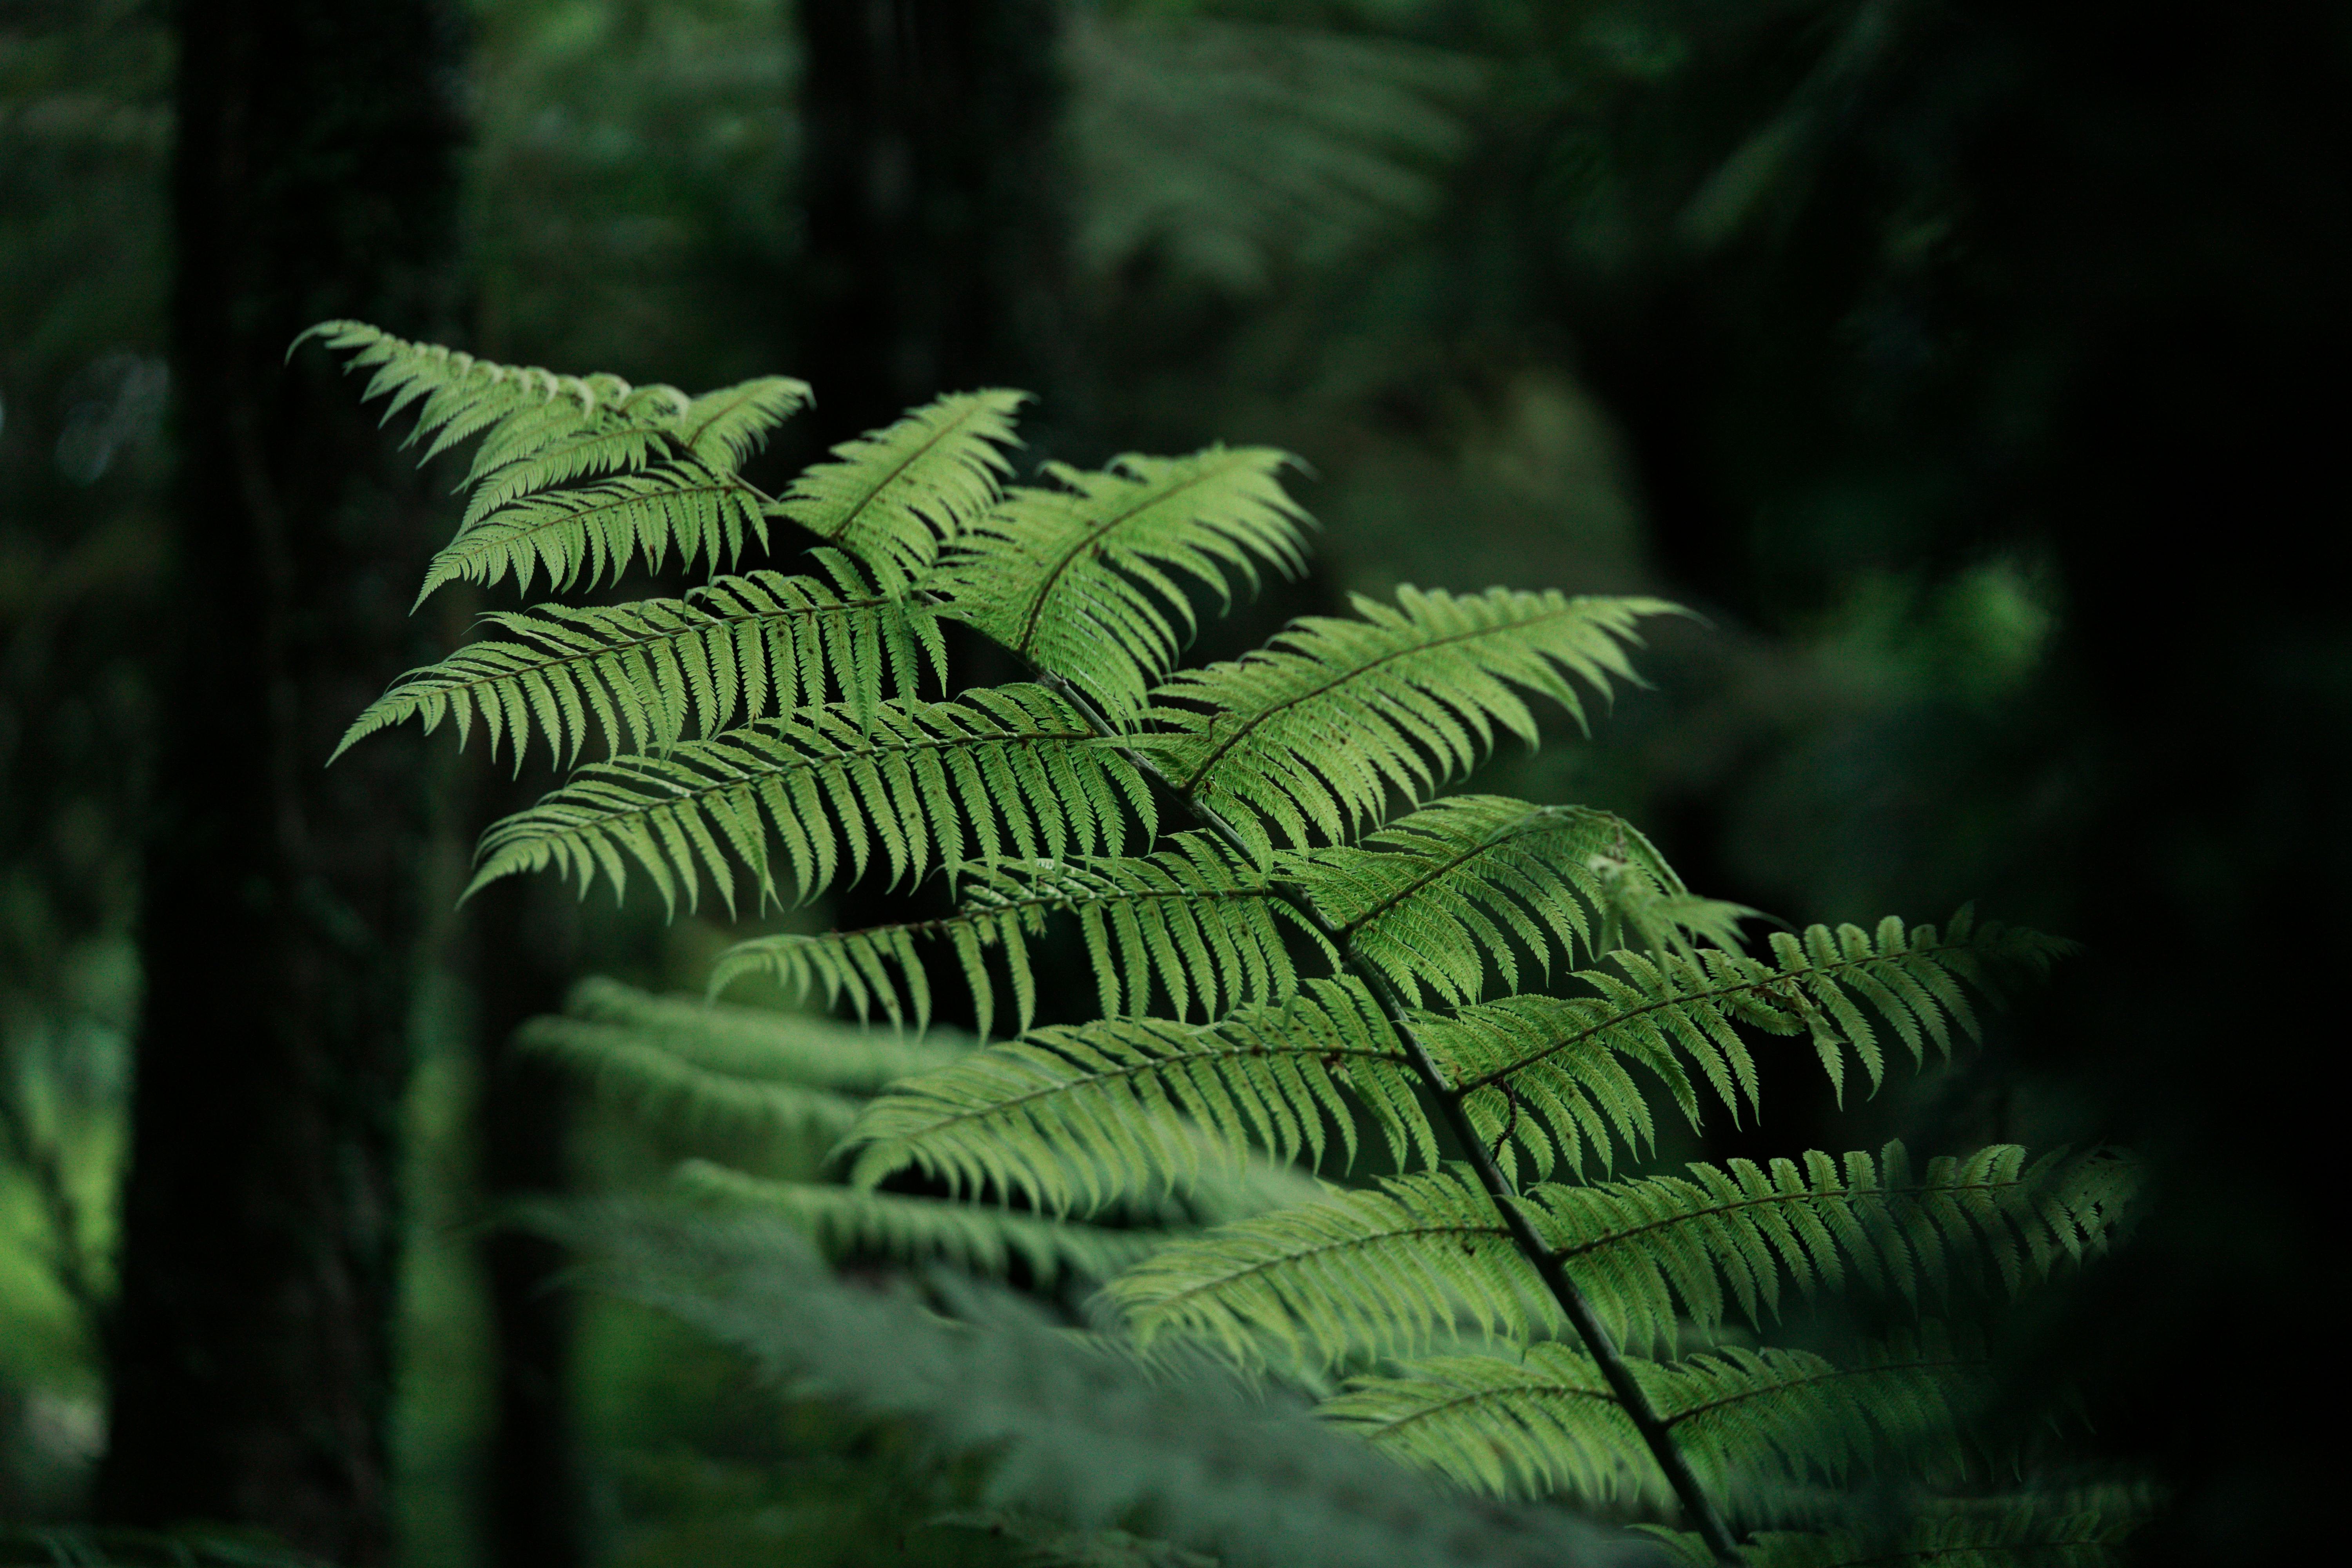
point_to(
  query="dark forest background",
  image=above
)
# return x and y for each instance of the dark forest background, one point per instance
(1974, 369)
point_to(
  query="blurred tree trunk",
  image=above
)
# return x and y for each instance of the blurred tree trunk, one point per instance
(935, 200)
(251, 1347)
(526, 943)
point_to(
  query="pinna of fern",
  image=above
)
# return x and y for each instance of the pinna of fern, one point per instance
(1497, 987)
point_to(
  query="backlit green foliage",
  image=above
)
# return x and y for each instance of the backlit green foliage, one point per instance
(1301, 955)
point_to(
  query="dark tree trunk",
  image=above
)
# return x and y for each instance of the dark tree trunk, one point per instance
(251, 1344)
(934, 195)
(526, 952)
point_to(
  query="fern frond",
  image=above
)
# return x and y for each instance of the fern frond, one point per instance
(1088, 1436)
(671, 1089)
(1376, 1272)
(1075, 577)
(1436, 899)
(1073, 1118)
(761, 1043)
(725, 427)
(601, 529)
(897, 494)
(1535, 1072)
(981, 1238)
(1206, 927)
(1749, 1421)
(742, 645)
(457, 395)
(927, 781)
(1384, 1273)
(1309, 735)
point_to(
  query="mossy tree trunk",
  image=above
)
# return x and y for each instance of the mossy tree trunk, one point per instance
(251, 1347)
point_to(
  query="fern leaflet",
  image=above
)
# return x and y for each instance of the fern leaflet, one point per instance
(896, 494)
(1309, 735)
(1074, 578)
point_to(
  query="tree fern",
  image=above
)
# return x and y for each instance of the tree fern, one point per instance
(1487, 998)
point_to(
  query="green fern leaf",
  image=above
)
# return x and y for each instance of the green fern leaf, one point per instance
(898, 493)
(1535, 1075)
(1436, 899)
(1206, 927)
(1752, 1423)
(1075, 1117)
(928, 781)
(1075, 578)
(736, 649)
(1308, 736)
(1387, 1272)
(601, 529)
(979, 1237)
(761, 1043)
(673, 1090)
(457, 395)
(725, 427)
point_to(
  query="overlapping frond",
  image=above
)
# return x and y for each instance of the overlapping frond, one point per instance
(1008, 767)
(1308, 736)
(1385, 1272)
(762, 1043)
(1538, 1073)
(1440, 899)
(674, 1090)
(982, 1237)
(597, 531)
(1193, 920)
(646, 672)
(1075, 576)
(659, 464)
(1074, 1117)
(893, 495)
(1749, 1421)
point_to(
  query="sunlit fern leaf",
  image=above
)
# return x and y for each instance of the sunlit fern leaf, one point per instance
(1440, 899)
(735, 650)
(1535, 1071)
(1308, 736)
(598, 530)
(1384, 1273)
(762, 1043)
(1750, 1422)
(1074, 1117)
(456, 397)
(1075, 577)
(673, 1090)
(725, 427)
(894, 495)
(1207, 928)
(982, 1237)
(2025, 1531)
(1002, 768)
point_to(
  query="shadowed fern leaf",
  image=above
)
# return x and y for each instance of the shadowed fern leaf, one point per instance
(1072, 1116)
